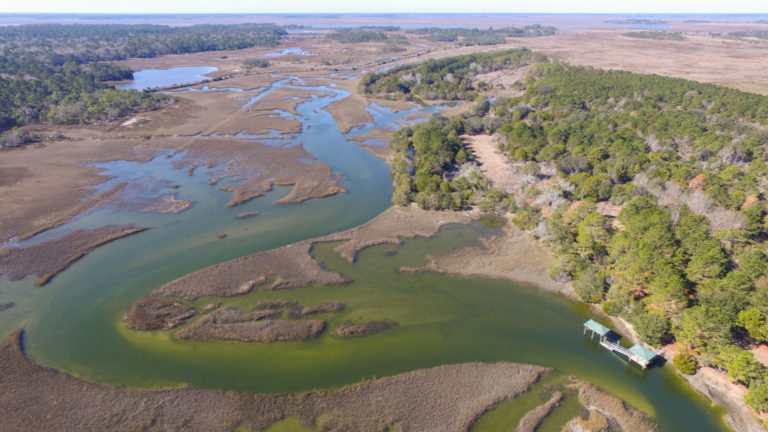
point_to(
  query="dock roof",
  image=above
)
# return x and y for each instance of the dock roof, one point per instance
(643, 352)
(597, 327)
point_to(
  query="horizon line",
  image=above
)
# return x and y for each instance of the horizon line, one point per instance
(388, 13)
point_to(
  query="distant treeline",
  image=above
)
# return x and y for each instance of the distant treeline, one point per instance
(49, 72)
(638, 21)
(658, 35)
(468, 37)
(760, 34)
(358, 35)
(57, 44)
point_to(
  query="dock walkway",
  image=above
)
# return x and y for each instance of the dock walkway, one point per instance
(638, 353)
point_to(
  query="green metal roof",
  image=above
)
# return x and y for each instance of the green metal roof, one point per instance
(643, 352)
(597, 327)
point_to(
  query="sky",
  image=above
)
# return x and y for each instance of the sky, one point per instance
(372, 6)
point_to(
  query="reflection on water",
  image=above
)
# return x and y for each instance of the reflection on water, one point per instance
(151, 78)
(289, 51)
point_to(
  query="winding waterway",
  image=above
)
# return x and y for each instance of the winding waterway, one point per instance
(74, 323)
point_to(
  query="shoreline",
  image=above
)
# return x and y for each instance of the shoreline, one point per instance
(458, 396)
(48, 259)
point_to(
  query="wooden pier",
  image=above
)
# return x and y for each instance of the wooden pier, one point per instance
(638, 353)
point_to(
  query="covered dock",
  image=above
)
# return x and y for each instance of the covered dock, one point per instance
(638, 353)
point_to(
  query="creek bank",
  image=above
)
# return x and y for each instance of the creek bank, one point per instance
(605, 409)
(532, 419)
(510, 254)
(49, 258)
(513, 254)
(716, 387)
(457, 395)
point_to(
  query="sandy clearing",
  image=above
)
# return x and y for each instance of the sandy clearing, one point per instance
(456, 396)
(493, 164)
(509, 177)
(501, 83)
(761, 354)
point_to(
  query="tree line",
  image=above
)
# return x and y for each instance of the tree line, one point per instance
(449, 78)
(491, 36)
(51, 72)
(637, 142)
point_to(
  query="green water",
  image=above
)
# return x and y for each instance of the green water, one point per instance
(74, 324)
(506, 415)
(288, 425)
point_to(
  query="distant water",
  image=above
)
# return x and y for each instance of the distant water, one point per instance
(151, 78)
(289, 51)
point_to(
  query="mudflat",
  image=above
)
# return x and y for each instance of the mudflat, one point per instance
(49, 258)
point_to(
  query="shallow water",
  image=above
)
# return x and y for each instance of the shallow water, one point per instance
(151, 78)
(289, 51)
(74, 324)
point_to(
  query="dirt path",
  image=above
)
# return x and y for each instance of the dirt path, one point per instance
(493, 164)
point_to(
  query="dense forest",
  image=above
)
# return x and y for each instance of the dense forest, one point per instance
(448, 79)
(32, 91)
(682, 256)
(469, 37)
(57, 44)
(358, 35)
(50, 73)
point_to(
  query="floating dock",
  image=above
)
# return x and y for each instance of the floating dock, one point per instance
(638, 353)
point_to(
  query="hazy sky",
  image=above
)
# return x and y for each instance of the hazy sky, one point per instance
(270, 6)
